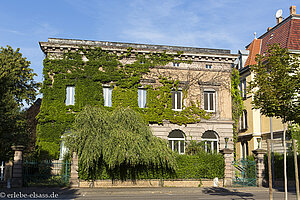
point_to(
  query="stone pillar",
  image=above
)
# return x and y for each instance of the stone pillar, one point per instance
(17, 172)
(74, 181)
(228, 158)
(260, 167)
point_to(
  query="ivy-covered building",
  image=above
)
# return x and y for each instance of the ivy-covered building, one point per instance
(183, 92)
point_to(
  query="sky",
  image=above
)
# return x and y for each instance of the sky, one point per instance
(220, 24)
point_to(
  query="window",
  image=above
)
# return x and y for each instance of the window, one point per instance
(207, 66)
(142, 97)
(244, 123)
(209, 101)
(243, 88)
(177, 100)
(210, 139)
(107, 92)
(176, 64)
(177, 141)
(70, 95)
(244, 149)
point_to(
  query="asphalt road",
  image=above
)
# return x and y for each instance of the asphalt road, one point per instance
(144, 193)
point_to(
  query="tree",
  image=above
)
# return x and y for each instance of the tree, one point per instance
(276, 84)
(276, 88)
(16, 86)
(120, 140)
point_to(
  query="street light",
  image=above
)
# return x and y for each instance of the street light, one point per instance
(258, 141)
(226, 141)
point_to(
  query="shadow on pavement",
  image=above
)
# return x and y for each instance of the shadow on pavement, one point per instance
(39, 193)
(227, 192)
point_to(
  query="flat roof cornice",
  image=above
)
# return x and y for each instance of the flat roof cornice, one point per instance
(75, 42)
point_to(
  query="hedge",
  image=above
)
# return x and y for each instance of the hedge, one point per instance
(199, 166)
(278, 166)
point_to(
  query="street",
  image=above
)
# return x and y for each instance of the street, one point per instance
(144, 193)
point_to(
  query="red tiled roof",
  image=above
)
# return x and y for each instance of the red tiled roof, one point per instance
(254, 49)
(294, 37)
(279, 34)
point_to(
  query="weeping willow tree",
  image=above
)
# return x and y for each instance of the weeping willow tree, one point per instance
(120, 142)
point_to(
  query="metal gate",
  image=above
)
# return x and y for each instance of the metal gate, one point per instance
(44, 173)
(244, 173)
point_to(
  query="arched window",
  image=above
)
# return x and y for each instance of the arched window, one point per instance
(177, 141)
(210, 139)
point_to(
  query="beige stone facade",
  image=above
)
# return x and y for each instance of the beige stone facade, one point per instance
(207, 70)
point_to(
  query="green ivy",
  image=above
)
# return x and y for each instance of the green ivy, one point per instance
(198, 166)
(102, 67)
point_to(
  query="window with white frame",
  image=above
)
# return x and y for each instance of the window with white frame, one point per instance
(142, 97)
(177, 100)
(244, 123)
(70, 95)
(177, 141)
(210, 139)
(243, 88)
(107, 93)
(209, 100)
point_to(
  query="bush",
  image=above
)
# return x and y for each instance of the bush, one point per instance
(198, 166)
(278, 166)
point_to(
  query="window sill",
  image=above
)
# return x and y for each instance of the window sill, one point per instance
(177, 110)
(210, 111)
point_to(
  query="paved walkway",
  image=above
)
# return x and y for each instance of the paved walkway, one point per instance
(249, 193)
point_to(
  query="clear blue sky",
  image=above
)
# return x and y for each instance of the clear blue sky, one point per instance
(226, 24)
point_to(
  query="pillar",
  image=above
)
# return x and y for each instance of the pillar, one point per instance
(260, 167)
(228, 158)
(17, 172)
(74, 181)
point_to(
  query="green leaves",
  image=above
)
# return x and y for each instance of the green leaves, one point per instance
(16, 85)
(117, 139)
(16, 77)
(276, 84)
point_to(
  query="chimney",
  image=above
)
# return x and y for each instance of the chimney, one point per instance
(293, 10)
(279, 19)
(269, 28)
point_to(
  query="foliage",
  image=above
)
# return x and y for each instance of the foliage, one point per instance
(103, 67)
(278, 166)
(201, 165)
(237, 103)
(197, 166)
(16, 86)
(119, 140)
(276, 84)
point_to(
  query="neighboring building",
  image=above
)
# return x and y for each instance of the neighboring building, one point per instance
(31, 114)
(207, 75)
(253, 125)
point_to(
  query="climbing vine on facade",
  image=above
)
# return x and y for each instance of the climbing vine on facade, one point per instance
(88, 70)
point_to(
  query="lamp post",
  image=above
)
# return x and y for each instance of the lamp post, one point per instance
(226, 141)
(258, 142)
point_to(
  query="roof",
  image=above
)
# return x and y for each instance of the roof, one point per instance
(254, 49)
(151, 47)
(286, 33)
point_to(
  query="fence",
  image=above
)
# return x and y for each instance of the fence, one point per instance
(48, 172)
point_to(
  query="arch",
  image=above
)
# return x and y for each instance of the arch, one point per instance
(176, 134)
(211, 141)
(176, 140)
